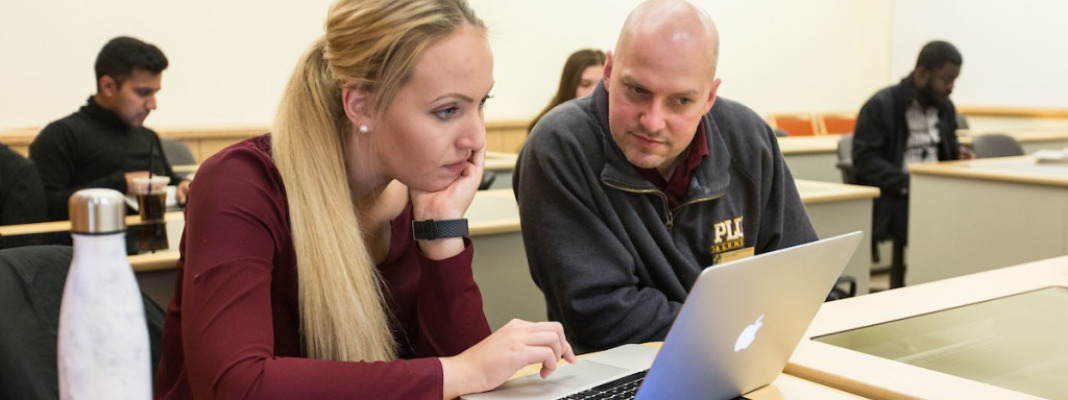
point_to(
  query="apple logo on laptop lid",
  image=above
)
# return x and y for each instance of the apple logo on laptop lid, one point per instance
(748, 334)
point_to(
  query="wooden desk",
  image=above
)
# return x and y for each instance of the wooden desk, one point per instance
(62, 226)
(835, 209)
(19, 139)
(185, 169)
(501, 164)
(1014, 112)
(1015, 118)
(785, 387)
(977, 215)
(812, 157)
(815, 157)
(877, 377)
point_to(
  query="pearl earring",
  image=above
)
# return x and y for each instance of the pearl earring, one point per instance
(364, 129)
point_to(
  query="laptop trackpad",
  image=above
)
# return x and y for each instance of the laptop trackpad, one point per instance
(566, 380)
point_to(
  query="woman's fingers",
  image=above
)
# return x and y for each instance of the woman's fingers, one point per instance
(548, 343)
(548, 365)
(547, 340)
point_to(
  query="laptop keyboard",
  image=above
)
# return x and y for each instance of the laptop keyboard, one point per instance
(624, 388)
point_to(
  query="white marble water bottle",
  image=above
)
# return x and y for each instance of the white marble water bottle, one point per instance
(103, 348)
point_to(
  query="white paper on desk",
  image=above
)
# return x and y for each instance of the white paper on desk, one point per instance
(172, 200)
(1052, 156)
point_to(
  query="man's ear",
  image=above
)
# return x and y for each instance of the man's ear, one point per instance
(355, 101)
(107, 86)
(921, 76)
(607, 67)
(712, 95)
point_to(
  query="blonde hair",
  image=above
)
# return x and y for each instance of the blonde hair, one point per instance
(372, 45)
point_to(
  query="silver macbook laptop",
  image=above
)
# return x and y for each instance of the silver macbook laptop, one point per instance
(734, 334)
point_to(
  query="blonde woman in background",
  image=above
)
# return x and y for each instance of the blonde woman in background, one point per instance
(299, 276)
(582, 71)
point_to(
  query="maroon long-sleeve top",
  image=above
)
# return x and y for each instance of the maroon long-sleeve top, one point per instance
(232, 330)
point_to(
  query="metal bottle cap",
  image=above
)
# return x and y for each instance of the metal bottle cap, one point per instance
(97, 211)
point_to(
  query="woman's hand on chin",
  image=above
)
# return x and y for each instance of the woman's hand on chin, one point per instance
(452, 201)
(448, 203)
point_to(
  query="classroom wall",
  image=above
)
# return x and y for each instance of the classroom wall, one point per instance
(231, 59)
(1015, 53)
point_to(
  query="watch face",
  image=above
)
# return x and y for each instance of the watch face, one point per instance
(427, 231)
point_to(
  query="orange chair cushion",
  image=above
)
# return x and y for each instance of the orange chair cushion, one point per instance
(839, 125)
(795, 126)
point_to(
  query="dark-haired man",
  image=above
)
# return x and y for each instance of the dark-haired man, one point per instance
(105, 144)
(911, 122)
(627, 194)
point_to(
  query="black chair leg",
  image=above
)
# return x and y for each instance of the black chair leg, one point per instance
(897, 265)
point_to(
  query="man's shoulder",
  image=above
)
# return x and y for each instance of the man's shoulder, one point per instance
(575, 114)
(748, 140)
(738, 123)
(879, 106)
(885, 95)
(73, 124)
(253, 152)
(54, 134)
(731, 110)
(257, 147)
(567, 143)
(571, 124)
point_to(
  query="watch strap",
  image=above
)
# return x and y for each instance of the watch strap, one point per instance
(439, 229)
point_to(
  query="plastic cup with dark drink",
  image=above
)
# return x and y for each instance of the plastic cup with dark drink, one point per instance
(151, 197)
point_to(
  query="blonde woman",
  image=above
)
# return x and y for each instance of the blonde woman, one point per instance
(300, 277)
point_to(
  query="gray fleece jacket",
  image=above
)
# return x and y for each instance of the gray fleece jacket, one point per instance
(613, 261)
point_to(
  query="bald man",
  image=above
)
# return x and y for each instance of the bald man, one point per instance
(627, 194)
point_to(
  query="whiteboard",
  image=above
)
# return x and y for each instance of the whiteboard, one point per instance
(1015, 52)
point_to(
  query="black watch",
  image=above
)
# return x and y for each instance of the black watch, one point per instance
(431, 229)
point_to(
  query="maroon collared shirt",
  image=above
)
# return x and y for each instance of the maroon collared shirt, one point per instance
(676, 187)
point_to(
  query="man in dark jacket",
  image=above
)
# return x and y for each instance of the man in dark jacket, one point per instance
(105, 143)
(22, 199)
(911, 122)
(626, 195)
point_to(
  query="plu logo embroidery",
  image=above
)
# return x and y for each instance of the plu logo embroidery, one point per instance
(748, 334)
(728, 235)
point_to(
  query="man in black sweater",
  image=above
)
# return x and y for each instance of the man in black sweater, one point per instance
(105, 144)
